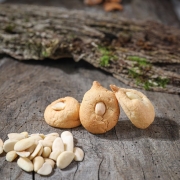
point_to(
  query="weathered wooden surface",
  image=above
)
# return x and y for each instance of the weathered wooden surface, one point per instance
(129, 50)
(125, 152)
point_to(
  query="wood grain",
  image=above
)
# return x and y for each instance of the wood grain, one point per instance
(125, 152)
(136, 53)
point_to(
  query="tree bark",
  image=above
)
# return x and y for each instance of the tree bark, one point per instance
(140, 54)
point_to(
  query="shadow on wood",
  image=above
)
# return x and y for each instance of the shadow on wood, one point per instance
(162, 128)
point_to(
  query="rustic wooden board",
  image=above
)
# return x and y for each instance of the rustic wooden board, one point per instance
(125, 152)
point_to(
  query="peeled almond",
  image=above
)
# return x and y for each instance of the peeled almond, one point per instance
(68, 143)
(9, 145)
(40, 152)
(46, 152)
(65, 133)
(45, 170)
(25, 134)
(58, 145)
(59, 106)
(49, 161)
(64, 159)
(16, 136)
(36, 151)
(24, 144)
(48, 141)
(25, 164)
(78, 154)
(36, 138)
(53, 134)
(31, 149)
(54, 155)
(23, 153)
(11, 156)
(37, 163)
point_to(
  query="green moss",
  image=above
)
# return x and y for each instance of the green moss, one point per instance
(106, 56)
(104, 60)
(162, 82)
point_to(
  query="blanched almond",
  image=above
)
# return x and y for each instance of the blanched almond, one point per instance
(31, 149)
(36, 138)
(52, 134)
(59, 106)
(11, 156)
(25, 134)
(49, 161)
(40, 152)
(36, 151)
(23, 144)
(54, 155)
(100, 108)
(65, 133)
(9, 145)
(68, 143)
(25, 164)
(38, 161)
(132, 95)
(16, 136)
(58, 145)
(23, 153)
(46, 152)
(45, 170)
(64, 159)
(48, 141)
(79, 154)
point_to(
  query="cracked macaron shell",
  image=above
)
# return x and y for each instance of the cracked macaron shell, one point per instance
(140, 112)
(92, 122)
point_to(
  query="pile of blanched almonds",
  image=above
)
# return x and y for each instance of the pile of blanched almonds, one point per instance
(39, 152)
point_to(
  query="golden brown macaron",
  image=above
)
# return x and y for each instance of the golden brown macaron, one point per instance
(99, 110)
(136, 105)
(63, 113)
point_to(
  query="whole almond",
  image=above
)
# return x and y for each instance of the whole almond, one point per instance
(54, 155)
(48, 141)
(46, 152)
(25, 164)
(38, 161)
(100, 108)
(132, 96)
(16, 136)
(25, 134)
(40, 152)
(58, 145)
(64, 159)
(9, 145)
(68, 143)
(65, 133)
(59, 106)
(45, 170)
(31, 149)
(11, 156)
(36, 151)
(23, 153)
(24, 144)
(53, 134)
(78, 154)
(49, 161)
